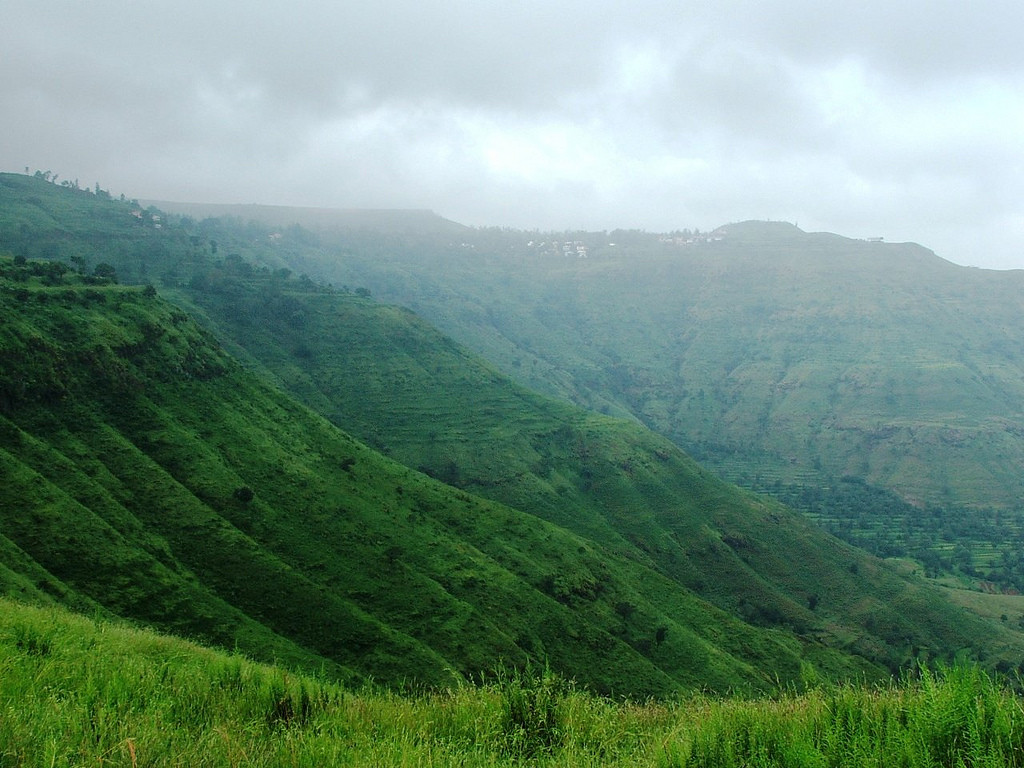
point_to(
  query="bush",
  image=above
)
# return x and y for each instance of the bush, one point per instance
(532, 718)
(244, 494)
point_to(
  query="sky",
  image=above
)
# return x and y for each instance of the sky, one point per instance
(902, 120)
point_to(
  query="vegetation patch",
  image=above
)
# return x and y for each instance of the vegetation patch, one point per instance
(106, 693)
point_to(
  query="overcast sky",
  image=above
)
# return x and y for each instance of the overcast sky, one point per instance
(903, 120)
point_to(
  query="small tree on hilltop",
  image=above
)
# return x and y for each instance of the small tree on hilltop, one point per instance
(105, 271)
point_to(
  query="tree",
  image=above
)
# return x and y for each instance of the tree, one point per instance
(625, 610)
(52, 272)
(105, 271)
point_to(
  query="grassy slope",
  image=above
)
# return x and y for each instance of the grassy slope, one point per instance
(127, 433)
(77, 692)
(394, 381)
(773, 353)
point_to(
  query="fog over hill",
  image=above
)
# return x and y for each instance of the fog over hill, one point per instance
(772, 353)
(383, 219)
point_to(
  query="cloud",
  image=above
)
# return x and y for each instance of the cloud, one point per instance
(877, 118)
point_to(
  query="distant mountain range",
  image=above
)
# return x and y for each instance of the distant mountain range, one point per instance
(376, 220)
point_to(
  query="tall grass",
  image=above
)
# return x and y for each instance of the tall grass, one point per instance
(954, 717)
(77, 692)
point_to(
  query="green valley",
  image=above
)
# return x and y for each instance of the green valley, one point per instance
(396, 383)
(147, 473)
(766, 351)
(298, 471)
(788, 362)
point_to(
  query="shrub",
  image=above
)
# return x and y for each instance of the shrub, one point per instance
(532, 720)
(244, 494)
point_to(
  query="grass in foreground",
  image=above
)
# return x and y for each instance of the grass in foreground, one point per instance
(77, 692)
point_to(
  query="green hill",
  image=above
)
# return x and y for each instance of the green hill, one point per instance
(155, 477)
(395, 382)
(146, 472)
(769, 353)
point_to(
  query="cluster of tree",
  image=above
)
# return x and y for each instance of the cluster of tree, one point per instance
(985, 544)
(52, 178)
(51, 273)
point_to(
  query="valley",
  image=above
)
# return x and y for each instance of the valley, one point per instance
(204, 435)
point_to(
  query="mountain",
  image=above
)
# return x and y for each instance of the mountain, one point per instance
(376, 220)
(156, 476)
(772, 354)
(398, 384)
(147, 473)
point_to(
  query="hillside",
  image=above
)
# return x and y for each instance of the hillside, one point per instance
(396, 383)
(770, 353)
(602, 548)
(146, 472)
(874, 386)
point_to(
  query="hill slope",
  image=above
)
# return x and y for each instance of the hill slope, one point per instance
(770, 353)
(146, 472)
(395, 382)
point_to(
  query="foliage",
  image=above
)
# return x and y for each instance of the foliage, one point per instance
(533, 703)
(983, 545)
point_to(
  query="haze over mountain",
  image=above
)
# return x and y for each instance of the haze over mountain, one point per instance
(792, 362)
(768, 351)
(155, 475)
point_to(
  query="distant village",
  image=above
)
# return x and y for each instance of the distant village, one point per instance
(687, 238)
(149, 217)
(580, 250)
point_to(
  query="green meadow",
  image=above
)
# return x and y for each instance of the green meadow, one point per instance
(76, 691)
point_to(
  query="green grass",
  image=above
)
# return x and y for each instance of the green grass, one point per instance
(75, 691)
